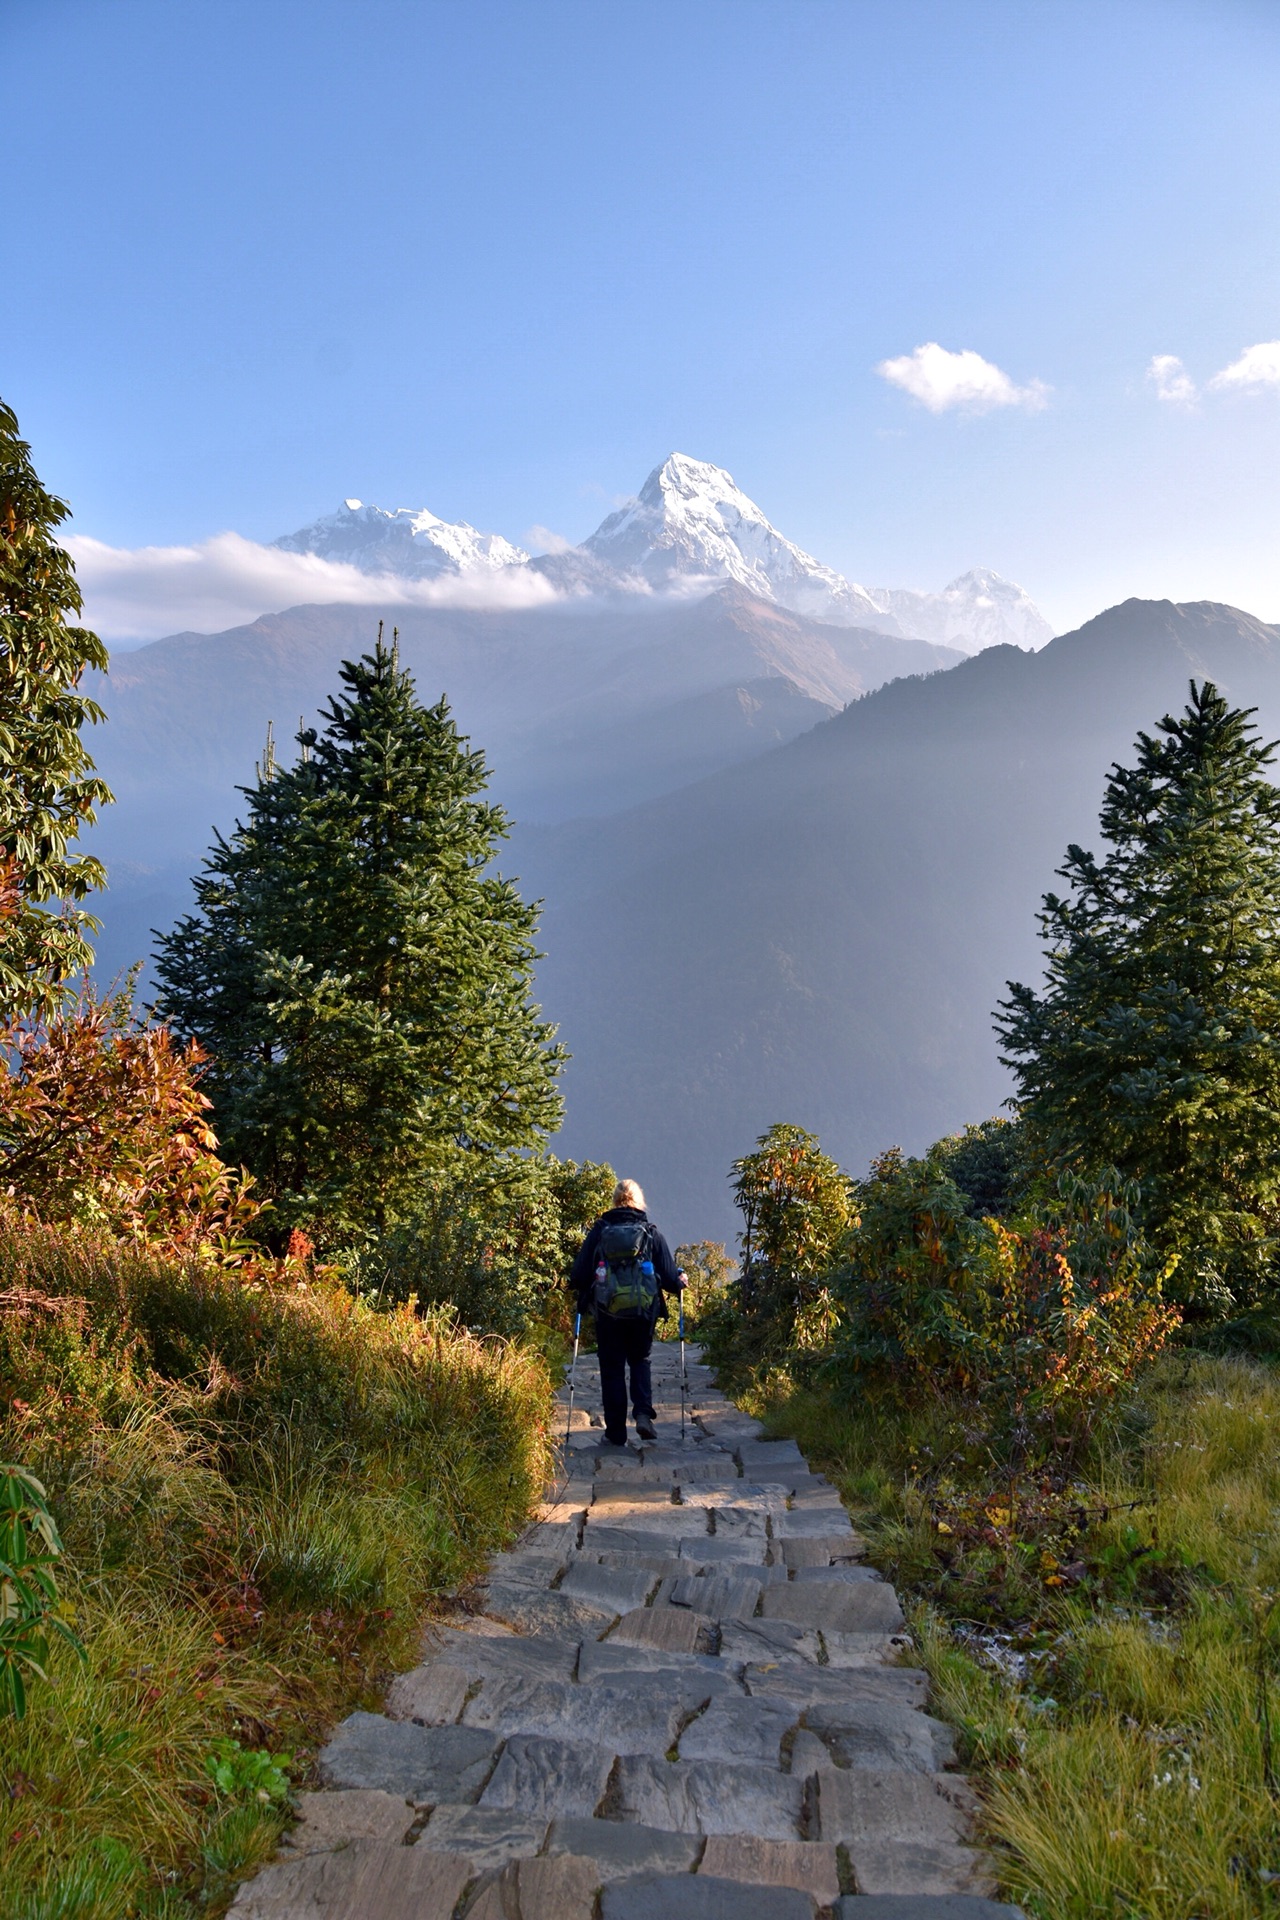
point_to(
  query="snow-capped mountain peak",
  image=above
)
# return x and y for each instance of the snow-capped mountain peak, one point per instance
(691, 525)
(402, 540)
(979, 609)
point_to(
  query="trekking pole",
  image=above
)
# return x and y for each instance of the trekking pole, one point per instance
(573, 1380)
(684, 1376)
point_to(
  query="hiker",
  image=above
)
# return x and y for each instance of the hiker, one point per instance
(622, 1272)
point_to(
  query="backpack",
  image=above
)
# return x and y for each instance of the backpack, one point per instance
(626, 1287)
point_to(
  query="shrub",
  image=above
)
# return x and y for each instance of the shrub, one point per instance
(796, 1204)
(495, 1241)
(708, 1271)
(1033, 1321)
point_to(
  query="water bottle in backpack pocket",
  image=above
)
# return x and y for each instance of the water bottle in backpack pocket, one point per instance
(626, 1285)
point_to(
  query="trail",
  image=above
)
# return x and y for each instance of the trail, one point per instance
(680, 1702)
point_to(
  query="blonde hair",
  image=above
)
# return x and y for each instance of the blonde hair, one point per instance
(629, 1193)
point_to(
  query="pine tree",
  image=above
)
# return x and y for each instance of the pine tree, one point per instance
(48, 790)
(1154, 1047)
(358, 975)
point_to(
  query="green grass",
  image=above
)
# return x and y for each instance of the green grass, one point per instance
(260, 1494)
(1105, 1639)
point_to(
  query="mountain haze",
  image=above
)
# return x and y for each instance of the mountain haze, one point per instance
(826, 931)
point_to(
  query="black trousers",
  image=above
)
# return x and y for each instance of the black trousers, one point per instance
(623, 1345)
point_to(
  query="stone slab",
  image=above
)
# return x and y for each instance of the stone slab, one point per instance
(710, 1551)
(769, 1453)
(819, 1523)
(369, 1877)
(803, 1553)
(765, 1640)
(846, 1575)
(617, 1588)
(810, 1865)
(606, 1539)
(642, 1718)
(561, 1615)
(703, 1796)
(675, 1629)
(741, 1523)
(478, 1655)
(802, 1687)
(868, 1607)
(905, 1831)
(864, 1649)
(432, 1695)
(546, 1779)
(739, 1730)
(701, 1897)
(661, 1565)
(560, 1889)
(880, 1734)
(424, 1764)
(720, 1596)
(603, 1661)
(486, 1836)
(619, 1848)
(329, 1820)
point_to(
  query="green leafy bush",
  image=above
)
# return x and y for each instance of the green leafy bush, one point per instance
(29, 1551)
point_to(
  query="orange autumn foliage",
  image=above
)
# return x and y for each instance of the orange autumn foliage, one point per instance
(102, 1123)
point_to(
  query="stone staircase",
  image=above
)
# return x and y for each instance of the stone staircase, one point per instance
(680, 1702)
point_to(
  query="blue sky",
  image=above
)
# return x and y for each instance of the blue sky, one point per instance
(499, 259)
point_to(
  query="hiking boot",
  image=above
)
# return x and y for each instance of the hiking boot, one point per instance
(645, 1427)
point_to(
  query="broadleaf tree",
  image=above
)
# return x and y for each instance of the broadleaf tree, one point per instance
(357, 973)
(1154, 1045)
(48, 788)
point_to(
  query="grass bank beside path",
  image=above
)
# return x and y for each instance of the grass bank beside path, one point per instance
(1106, 1642)
(260, 1495)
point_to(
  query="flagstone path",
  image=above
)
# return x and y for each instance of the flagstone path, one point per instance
(680, 1702)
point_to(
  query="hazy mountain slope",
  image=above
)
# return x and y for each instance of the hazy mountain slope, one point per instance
(824, 932)
(579, 710)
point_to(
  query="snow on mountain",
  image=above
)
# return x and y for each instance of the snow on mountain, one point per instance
(402, 540)
(689, 531)
(978, 610)
(690, 526)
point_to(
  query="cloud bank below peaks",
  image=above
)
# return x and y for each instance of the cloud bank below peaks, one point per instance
(136, 594)
(944, 382)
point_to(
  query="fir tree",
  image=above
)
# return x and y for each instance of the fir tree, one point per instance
(358, 975)
(48, 790)
(1154, 1047)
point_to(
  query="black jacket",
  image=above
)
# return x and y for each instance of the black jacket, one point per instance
(583, 1272)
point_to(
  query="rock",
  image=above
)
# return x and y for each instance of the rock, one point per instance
(700, 1796)
(718, 1596)
(804, 1553)
(904, 1832)
(431, 1695)
(809, 1865)
(672, 1628)
(546, 1779)
(603, 1660)
(638, 1719)
(486, 1836)
(368, 1878)
(619, 1850)
(850, 1650)
(741, 1523)
(424, 1764)
(559, 1889)
(766, 1640)
(479, 1655)
(712, 1551)
(328, 1820)
(612, 1587)
(871, 1606)
(680, 1897)
(770, 1453)
(803, 1686)
(819, 1523)
(738, 1730)
(532, 1611)
(845, 1575)
(879, 1734)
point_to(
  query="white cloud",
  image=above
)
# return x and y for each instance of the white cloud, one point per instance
(142, 593)
(1171, 380)
(1258, 366)
(940, 380)
(545, 540)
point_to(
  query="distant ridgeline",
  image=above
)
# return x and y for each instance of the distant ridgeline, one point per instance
(828, 897)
